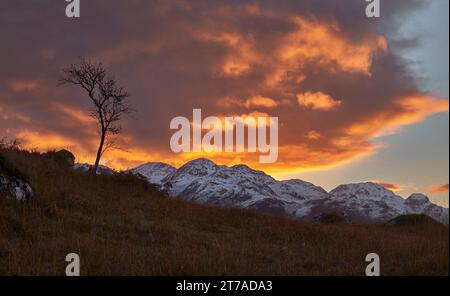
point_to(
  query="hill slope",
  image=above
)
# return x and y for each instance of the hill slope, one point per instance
(121, 225)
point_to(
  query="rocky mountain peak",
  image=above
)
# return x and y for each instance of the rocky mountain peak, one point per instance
(418, 198)
(202, 181)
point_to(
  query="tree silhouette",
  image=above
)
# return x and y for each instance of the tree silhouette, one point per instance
(109, 101)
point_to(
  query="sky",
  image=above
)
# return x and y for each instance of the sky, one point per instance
(358, 99)
(423, 141)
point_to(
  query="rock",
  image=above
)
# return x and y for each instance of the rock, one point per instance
(63, 155)
(67, 155)
(15, 188)
(12, 183)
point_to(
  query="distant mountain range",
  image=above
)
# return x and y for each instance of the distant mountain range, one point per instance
(203, 181)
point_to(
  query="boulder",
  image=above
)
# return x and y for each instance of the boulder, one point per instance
(13, 184)
(63, 155)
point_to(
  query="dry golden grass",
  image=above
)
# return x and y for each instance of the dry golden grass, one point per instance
(121, 226)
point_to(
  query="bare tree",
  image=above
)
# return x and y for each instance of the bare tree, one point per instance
(110, 102)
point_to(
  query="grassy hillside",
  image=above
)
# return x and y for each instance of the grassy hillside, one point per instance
(122, 226)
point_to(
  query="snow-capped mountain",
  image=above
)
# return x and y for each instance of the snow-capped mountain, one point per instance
(203, 181)
(370, 202)
(367, 202)
(420, 204)
(154, 172)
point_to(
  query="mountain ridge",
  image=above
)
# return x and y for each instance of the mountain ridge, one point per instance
(203, 181)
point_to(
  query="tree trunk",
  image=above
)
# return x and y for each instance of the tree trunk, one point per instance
(99, 152)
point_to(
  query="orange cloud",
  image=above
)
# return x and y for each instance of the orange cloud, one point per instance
(240, 59)
(390, 186)
(45, 141)
(310, 43)
(324, 45)
(119, 159)
(74, 113)
(439, 188)
(313, 135)
(132, 157)
(23, 85)
(260, 101)
(6, 114)
(317, 101)
(293, 158)
(256, 101)
(413, 109)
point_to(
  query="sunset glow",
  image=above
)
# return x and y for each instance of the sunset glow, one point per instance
(339, 85)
